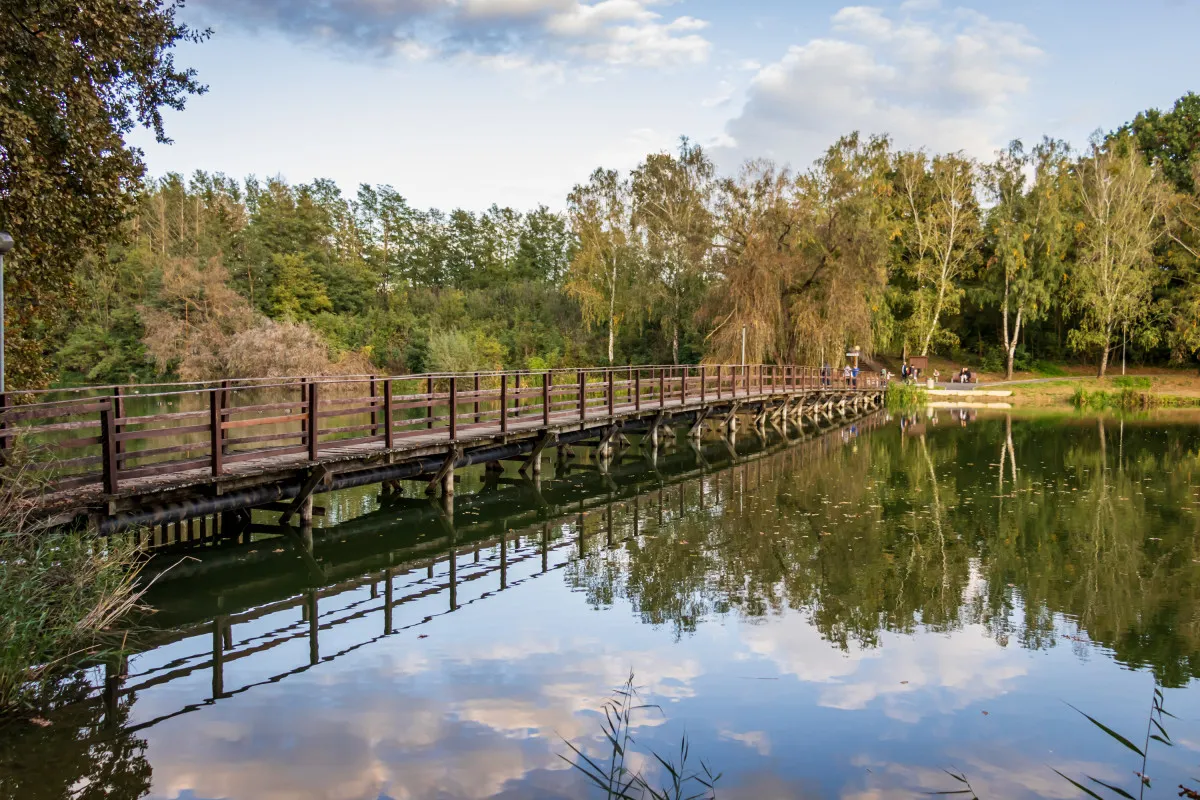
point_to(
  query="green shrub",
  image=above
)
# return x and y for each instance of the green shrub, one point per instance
(904, 397)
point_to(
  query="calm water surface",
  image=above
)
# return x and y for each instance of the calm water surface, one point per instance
(846, 616)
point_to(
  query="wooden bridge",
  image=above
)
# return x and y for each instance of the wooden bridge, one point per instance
(242, 602)
(131, 456)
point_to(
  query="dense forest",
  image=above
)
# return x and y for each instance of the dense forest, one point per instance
(1044, 253)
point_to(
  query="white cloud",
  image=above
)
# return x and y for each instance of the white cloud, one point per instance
(948, 80)
(608, 32)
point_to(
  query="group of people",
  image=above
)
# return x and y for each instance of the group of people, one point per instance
(908, 374)
(849, 375)
(964, 376)
(913, 375)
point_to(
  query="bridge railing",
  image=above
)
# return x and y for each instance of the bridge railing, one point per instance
(116, 437)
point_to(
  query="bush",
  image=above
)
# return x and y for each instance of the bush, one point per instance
(60, 596)
(904, 398)
(459, 351)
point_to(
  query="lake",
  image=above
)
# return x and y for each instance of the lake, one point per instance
(895, 608)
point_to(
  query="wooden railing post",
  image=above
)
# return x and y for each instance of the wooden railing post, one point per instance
(389, 437)
(547, 379)
(718, 381)
(703, 393)
(374, 412)
(504, 403)
(216, 405)
(611, 395)
(582, 395)
(119, 411)
(453, 408)
(662, 387)
(637, 390)
(108, 449)
(314, 424)
(429, 410)
(517, 388)
(683, 378)
(477, 397)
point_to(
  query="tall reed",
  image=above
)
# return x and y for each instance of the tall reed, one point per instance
(62, 594)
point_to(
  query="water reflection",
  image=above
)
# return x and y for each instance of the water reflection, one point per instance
(840, 616)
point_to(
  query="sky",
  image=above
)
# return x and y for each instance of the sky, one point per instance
(466, 103)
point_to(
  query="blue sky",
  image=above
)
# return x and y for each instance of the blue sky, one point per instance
(473, 102)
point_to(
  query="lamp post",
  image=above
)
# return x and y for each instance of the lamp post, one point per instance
(6, 244)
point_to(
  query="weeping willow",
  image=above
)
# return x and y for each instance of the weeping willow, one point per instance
(803, 258)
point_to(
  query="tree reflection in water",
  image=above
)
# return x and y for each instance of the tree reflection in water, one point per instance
(941, 527)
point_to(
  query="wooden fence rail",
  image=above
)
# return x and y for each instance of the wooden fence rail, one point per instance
(110, 436)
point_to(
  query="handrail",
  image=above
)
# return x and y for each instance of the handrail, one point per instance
(306, 415)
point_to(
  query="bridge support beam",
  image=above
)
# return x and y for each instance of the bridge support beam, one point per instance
(445, 475)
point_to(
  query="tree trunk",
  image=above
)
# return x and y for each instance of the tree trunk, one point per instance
(1103, 362)
(1012, 344)
(675, 342)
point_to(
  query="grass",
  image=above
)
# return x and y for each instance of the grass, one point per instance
(1046, 369)
(904, 398)
(1155, 732)
(1132, 382)
(617, 780)
(1128, 398)
(61, 595)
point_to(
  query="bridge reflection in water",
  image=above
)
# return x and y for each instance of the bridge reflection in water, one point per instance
(224, 606)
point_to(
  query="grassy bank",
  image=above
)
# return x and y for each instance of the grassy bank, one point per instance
(1178, 390)
(61, 595)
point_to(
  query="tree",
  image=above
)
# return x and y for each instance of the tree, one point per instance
(298, 294)
(602, 269)
(802, 260)
(671, 210)
(940, 235)
(1029, 234)
(1171, 139)
(545, 246)
(1121, 206)
(75, 77)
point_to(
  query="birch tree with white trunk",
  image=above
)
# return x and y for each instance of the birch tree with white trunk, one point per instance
(1122, 201)
(941, 232)
(602, 270)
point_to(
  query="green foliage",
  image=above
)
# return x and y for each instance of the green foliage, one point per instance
(1172, 138)
(1047, 369)
(1132, 382)
(667, 263)
(904, 398)
(60, 594)
(77, 77)
(297, 293)
(460, 351)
